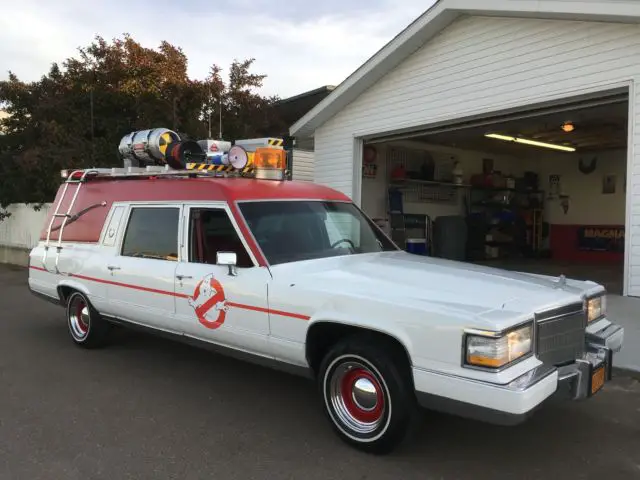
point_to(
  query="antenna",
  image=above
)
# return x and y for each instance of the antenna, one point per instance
(220, 113)
(209, 111)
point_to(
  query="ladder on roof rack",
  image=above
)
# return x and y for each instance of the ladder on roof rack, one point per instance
(77, 177)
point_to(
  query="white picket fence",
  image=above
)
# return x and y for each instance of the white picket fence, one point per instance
(22, 229)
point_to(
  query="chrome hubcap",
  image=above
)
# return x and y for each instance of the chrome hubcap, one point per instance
(79, 318)
(357, 397)
(365, 394)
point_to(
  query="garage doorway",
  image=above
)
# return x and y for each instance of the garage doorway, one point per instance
(540, 191)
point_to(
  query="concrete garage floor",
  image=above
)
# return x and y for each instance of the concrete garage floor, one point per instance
(149, 408)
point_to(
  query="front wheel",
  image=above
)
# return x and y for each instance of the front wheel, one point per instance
(367, 394)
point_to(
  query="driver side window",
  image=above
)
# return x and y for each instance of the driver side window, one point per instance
(210, 232)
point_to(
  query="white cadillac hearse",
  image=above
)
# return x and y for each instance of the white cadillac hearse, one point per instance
(295, 276)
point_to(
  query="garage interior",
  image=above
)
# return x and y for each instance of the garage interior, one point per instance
(541, 191)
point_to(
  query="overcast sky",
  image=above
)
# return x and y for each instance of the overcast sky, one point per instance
(299, 44)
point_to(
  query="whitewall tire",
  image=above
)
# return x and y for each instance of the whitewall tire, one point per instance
(366, 394)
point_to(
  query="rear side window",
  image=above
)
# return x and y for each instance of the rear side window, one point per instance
(112, 228)
(152, 233)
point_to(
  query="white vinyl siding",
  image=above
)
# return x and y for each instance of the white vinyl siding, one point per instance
(480, 65)
(302, 167)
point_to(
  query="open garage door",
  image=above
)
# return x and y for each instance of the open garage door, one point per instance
(561, 107)
(540, 190)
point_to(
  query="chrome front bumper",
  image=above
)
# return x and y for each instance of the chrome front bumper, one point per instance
(516, 401)
(574, 380)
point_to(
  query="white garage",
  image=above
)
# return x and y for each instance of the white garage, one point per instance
(502, 132)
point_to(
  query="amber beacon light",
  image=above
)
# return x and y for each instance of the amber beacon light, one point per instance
(270, 163)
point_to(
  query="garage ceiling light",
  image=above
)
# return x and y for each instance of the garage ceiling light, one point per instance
(530, 142)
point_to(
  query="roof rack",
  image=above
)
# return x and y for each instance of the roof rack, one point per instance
(191, 170)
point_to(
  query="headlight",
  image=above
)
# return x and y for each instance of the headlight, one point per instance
(491, 350)
(596, 308)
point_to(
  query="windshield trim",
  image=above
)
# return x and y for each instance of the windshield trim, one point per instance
(239, 212)
(301, 199)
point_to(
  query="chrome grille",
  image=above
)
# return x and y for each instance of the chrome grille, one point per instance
(560, 334)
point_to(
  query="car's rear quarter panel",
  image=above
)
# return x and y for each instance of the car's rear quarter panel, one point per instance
(83, 260)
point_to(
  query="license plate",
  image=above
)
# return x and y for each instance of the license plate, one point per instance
(597, 380)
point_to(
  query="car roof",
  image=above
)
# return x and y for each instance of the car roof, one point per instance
(243, 189)
(203, 188)
(104, 192)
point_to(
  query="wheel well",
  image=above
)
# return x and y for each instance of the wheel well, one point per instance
(64, 292)
(323, 335)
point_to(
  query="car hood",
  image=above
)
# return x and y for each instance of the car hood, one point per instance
(416, 280)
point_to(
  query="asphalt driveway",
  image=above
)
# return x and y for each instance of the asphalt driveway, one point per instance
(147, 407)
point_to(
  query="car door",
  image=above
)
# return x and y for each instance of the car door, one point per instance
(221, 303)
(141, 275)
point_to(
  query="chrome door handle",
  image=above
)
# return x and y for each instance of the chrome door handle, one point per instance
(113, 267)
(182, 277)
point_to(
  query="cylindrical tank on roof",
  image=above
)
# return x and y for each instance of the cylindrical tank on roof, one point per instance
(147, 147)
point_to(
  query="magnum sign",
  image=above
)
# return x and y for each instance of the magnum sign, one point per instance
(601, 239)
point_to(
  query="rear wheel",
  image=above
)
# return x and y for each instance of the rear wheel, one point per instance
(87, 328)
(367, 394)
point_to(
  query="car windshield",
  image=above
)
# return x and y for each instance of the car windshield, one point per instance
(289, 231)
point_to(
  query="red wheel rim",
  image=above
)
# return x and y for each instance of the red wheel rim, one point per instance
(347, 391)
(357, 397)
(80, 316)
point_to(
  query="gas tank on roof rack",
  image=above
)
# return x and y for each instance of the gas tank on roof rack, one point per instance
(158, 146)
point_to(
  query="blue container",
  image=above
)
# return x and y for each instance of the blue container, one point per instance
(218, 158)
(417, 246)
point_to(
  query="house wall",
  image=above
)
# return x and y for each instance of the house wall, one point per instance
(588, 205)
(303, 165)
(487, 64)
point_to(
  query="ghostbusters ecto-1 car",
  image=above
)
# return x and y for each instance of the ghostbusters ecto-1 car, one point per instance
(295, 276)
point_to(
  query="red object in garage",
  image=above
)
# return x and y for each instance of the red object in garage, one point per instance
(587, 243)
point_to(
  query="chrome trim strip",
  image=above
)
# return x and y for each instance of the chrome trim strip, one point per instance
(301, 199)
(557, 312)
(255, 242)
(535, 375)
(231, 352)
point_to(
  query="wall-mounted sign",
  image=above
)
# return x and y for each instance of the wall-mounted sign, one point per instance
(369, 170)
(608, 184)
(601, 238)
(554, 186)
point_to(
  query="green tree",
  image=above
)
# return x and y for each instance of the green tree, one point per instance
(75, 115)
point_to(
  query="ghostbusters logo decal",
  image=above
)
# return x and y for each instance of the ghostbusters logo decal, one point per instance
(209, 302)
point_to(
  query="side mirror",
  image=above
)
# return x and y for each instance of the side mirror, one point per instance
(228, 258)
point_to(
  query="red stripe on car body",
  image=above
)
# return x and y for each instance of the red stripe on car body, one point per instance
(181, 295)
